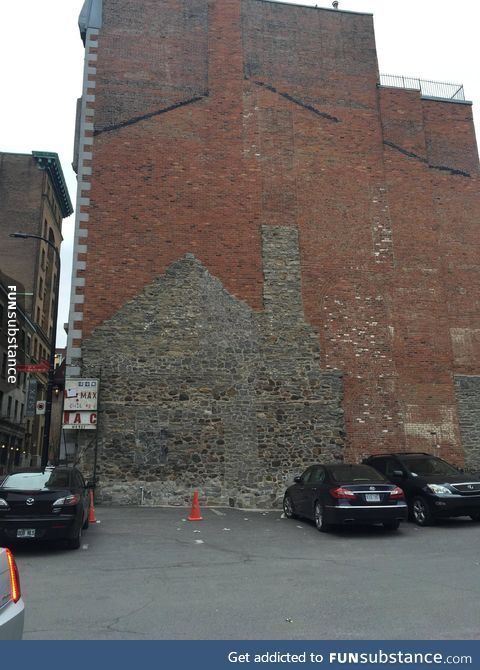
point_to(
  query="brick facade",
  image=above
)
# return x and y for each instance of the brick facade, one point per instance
(204, 122)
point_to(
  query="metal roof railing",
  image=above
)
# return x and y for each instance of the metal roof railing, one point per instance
(428, 89)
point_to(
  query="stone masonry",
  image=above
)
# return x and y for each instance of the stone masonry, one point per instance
(200, 391)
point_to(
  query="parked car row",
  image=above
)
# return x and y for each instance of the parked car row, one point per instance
(386, 489)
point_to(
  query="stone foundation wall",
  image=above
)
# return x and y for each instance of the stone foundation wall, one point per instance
(198, 391)
(467, 388)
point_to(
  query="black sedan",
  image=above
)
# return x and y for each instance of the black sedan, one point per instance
(45, 504)
(345, 494)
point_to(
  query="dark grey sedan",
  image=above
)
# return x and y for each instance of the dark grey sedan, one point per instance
(345, 494)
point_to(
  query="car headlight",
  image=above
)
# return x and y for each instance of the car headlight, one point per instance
(438, 489)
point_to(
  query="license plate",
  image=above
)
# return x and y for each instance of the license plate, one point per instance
(25, 532)
(372, 497)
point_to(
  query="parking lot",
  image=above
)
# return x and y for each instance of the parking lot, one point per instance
(149, 573)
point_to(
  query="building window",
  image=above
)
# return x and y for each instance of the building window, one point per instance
(4, 366)
(1, 402)
(9, 407)
(43, 259)
(15, 416)
(40, 288)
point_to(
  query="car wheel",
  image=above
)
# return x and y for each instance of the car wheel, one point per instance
(475, 517)
(319, 516)
(288, 508)
(421, 513)
(74, 542)
(391, 525)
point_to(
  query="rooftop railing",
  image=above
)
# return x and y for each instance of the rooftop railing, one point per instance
(428, 89)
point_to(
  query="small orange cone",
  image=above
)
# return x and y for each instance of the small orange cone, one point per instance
(195, 513)
(91, 513)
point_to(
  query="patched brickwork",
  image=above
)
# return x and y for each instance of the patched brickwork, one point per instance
(199, 391)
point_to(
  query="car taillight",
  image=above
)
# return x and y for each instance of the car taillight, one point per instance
(342, 493)
(14, 578)
(68, 500)
(397, 493)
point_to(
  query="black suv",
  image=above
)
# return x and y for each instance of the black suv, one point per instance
(433, 488)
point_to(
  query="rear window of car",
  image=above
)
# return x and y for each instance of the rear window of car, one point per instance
(37, 481)
(355, 473)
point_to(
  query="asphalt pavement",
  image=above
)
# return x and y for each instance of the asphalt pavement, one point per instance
(149, 573)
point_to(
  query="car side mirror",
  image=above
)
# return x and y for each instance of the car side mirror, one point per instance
(297, 480)
(398, 473)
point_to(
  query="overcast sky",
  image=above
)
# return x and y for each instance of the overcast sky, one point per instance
(42, 65)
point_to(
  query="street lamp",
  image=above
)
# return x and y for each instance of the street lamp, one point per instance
(53, 344)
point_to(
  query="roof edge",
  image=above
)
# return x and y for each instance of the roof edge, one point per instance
(313, 7)
(50, 161)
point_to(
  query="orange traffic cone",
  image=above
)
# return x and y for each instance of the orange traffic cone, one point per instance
(91, 514)
(195, 513)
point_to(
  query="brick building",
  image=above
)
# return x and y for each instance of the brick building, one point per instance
(276, 255)
(34, 199)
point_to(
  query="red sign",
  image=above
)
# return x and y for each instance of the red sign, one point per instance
(44, 366)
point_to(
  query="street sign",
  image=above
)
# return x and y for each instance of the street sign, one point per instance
(79, 420)
(34, 367)
(31, 398)
(41, 405)
(80, 394)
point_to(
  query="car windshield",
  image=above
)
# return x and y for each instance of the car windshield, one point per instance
(355, 473)
(36, 481)
(429, 465)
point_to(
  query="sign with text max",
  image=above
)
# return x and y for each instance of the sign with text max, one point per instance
(80, 402)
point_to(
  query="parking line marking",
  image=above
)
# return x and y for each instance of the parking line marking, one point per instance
(217, 512)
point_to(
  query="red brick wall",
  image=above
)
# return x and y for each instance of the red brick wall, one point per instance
(21, 188)
(213, 118)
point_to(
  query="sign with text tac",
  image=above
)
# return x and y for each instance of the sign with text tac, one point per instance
(80, 402)
(80, 420)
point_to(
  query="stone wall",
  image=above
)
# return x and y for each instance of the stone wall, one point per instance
(200, 391)
(468, 397)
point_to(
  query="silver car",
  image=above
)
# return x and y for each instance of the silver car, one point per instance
(12, 608)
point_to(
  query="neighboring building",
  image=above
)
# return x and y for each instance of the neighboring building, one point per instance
(259, 213)
(33, 199)
(16, 421)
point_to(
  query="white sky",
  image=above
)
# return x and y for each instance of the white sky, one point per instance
(42, 67)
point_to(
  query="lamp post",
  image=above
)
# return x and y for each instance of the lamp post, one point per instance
(53, 344)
